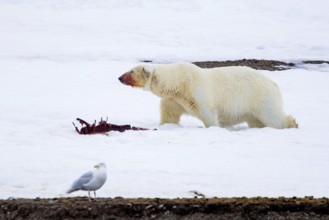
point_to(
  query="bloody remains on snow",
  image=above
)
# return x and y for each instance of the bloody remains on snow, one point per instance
(103, 127)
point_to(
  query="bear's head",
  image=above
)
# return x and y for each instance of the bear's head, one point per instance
(140, 77)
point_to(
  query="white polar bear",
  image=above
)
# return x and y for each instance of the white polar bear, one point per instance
(222, 96)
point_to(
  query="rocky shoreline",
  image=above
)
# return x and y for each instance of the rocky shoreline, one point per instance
(271, 65)
(143, 208)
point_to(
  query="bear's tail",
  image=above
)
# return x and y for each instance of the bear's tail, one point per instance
(291, 122)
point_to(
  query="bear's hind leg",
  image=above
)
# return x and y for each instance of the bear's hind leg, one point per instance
(274, 119)
(171, 111)
(255, 123)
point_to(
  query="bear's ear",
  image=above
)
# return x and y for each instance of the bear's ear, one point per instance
(148, 70)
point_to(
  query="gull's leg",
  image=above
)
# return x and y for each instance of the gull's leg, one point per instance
(95, 194)
(89, 195)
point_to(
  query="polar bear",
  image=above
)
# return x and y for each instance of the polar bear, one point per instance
(222, 96)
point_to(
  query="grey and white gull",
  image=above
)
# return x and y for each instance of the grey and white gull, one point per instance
(90, 181)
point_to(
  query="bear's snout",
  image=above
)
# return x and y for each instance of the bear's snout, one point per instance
(126, 79)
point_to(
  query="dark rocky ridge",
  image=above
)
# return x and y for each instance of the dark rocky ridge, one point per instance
(198, 208)
(271, 65)
(256, 64)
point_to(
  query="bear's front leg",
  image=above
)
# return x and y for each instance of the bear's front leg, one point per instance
(171, 111)
(209, 117)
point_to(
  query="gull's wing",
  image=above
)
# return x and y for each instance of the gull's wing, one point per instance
(78, 184)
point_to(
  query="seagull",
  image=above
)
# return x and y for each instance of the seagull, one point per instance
(90, 181)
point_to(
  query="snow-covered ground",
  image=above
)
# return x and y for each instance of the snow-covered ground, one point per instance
(61, 59)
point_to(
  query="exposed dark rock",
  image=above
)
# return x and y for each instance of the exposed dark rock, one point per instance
(199, 208)
(256, 64)
(271, 65)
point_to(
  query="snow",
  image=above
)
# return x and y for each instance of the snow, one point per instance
(61, 59)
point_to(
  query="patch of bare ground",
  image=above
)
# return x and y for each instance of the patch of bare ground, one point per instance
(144, 208)
(271, 65)
(253, 63)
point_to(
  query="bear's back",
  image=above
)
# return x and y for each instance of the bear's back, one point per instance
(239, 76)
